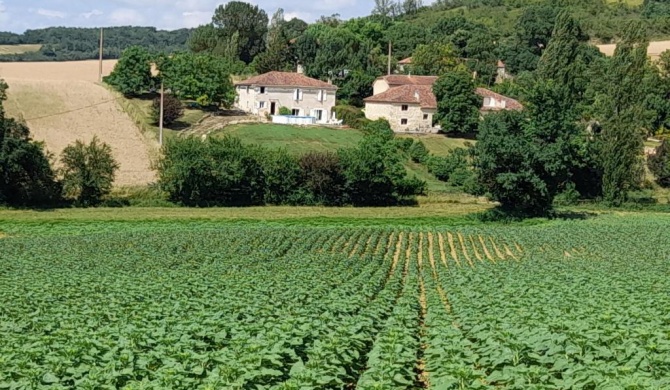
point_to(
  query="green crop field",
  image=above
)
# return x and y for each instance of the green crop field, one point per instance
(202, 302)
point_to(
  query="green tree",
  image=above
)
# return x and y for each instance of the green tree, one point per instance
(88, 171)
(132, 74)
(659, 164)
(623, 117)
(374, 172)
(248, 21)
(457, 103)
(201, 77)
(434, 59)
(568, 57)
(524, 159)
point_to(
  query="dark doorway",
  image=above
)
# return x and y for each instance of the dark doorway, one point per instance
(273, 108)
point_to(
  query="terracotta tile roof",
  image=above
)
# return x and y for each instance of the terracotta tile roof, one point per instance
(411, 94)
(286, 79)
(396, 80)
(406, 61)
(510, 104)
(423, 95)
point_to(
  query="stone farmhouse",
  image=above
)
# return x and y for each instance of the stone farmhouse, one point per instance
(408, 103)
(265, 94)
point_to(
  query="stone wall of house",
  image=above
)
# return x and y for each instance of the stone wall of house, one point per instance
(419, 120)
(308, 104)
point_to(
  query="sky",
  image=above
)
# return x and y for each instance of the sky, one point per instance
(19, 15)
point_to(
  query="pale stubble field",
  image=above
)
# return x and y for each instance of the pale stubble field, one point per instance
(62, 102)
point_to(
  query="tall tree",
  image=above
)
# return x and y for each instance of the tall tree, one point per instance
(457, 103)
(385, 8)
(434, 59)
(132, 74)
(248, 21)
(201, 77)
(567, 58)
(623, 116)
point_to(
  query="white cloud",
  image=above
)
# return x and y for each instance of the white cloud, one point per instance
(126, 16)
(51, 13)
(89, 15)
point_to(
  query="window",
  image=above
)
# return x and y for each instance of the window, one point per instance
(297, 94)
(321, 95)
(425, 117)
(295, 112)
(261, 104)
(262, 90)
(404, 107)
(318, 114)
(403, 121)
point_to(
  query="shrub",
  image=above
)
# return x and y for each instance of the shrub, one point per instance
(374, 172)
(451, 169)
(418, 152)
(212, 172)
(322, 178)
(349, 115)
(281, 173)
(173, 109)
(284, 111)
(379, 128)
(88, 171)
(659, 164)
(404, 144)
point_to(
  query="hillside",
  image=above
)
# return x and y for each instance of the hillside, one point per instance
(602, 20)
(62, 103)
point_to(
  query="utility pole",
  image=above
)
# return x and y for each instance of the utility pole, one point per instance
(389, 62)
(160, 119)
(101, 42)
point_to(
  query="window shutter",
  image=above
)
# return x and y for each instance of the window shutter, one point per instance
(300, 94)
(324, 95)
(295, 94)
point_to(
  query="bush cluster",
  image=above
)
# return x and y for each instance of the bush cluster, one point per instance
(226, 172)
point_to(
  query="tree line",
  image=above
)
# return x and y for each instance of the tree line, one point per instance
(74, 44)
(226, 172)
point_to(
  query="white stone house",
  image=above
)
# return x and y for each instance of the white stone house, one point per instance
(409, 104)
(408, 108)
(265, 94)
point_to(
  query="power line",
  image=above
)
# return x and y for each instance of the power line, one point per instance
(69, 111)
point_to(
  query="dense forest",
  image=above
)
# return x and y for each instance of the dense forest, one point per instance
(73, 44)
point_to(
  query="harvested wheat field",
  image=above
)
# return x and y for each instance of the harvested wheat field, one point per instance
(62, 103)
(654, 51)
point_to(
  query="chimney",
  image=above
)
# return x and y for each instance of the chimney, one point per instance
(329, 81)
(416, 96)
(300, 69)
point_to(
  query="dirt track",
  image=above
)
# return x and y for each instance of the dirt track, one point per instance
(62, 103)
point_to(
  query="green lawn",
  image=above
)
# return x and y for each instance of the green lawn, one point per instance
(438, 144)
(295, 139)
